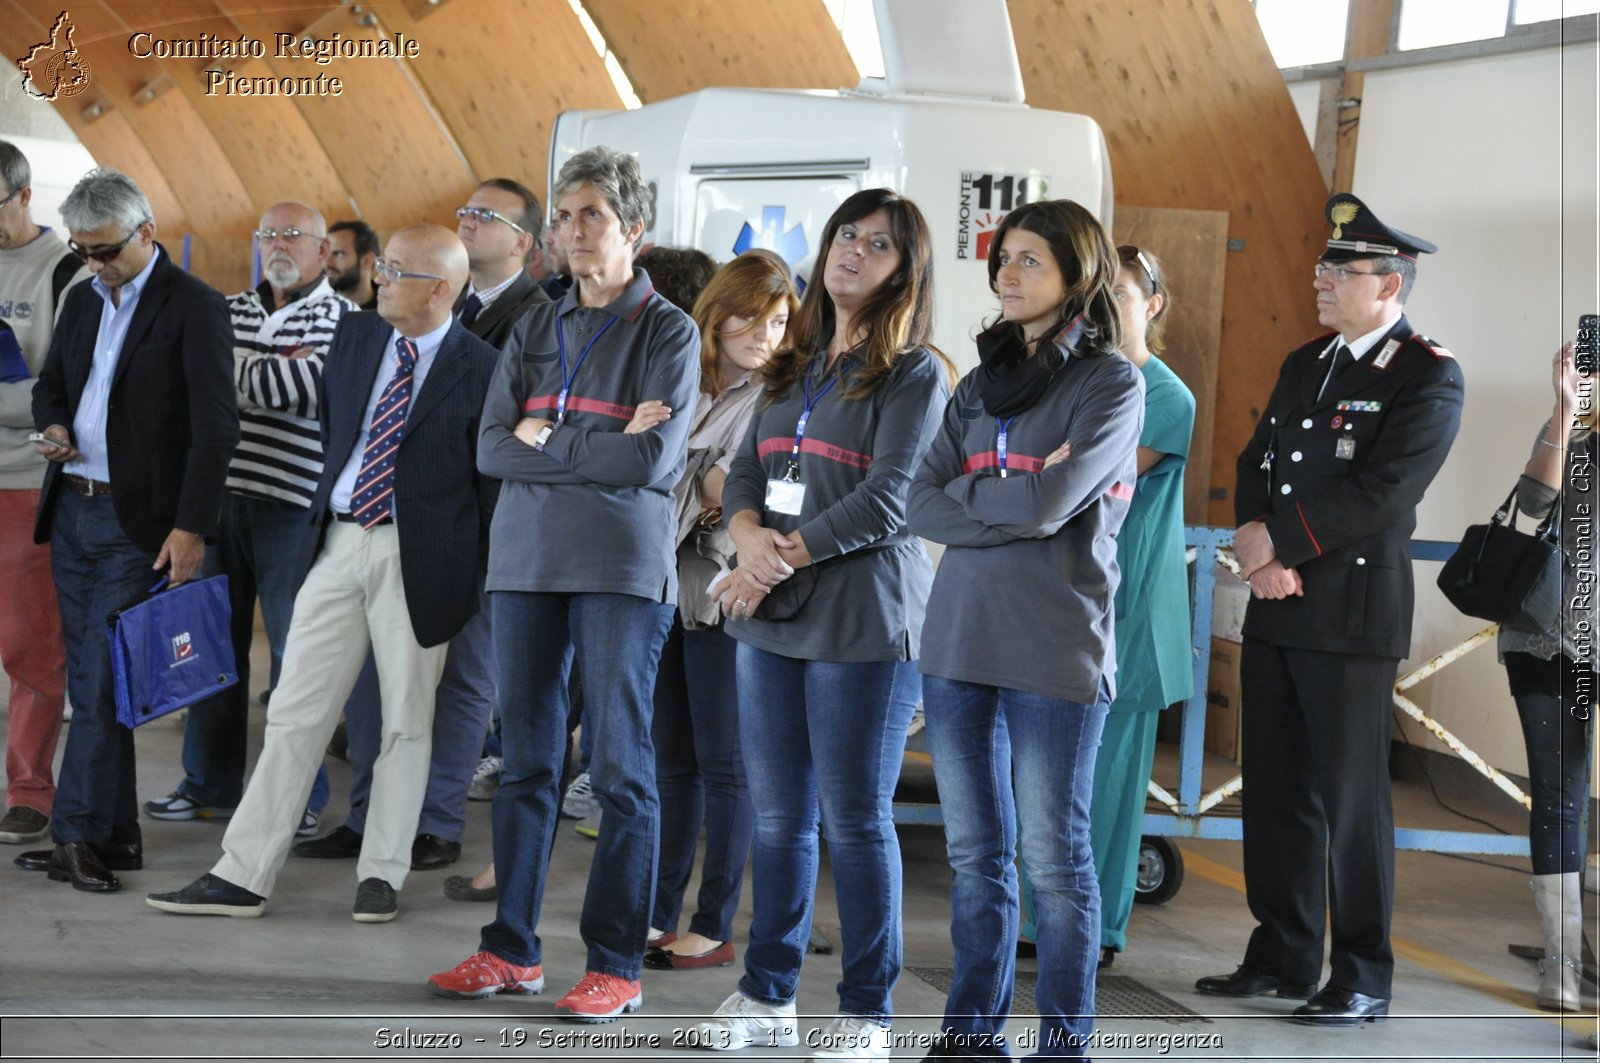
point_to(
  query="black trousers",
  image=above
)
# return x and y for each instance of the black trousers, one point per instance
(1318, 814)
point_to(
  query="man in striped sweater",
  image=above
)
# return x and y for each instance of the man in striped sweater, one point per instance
(281, 333)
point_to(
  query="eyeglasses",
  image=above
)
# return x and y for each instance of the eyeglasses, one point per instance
(1344, 273)
(1144, 263)
(105, 252)
(391, 274)
(9, 198)
(266, 236)
(483, 214)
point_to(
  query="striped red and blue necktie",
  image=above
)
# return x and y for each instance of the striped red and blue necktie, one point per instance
(373, 498)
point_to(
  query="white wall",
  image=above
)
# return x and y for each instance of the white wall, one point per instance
(1306, 95)
(1493, 159)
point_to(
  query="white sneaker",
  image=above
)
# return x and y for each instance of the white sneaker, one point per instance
(579, 802)
(851, 1037)
(740, 1022)
(485, 781)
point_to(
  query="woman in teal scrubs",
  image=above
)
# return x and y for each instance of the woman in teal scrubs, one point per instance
(1152, 602)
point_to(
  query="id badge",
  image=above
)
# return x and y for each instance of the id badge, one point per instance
(785, 496)
(1345, 449)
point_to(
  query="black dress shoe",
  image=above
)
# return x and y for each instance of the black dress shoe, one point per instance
(128, 856)
(77, 863)
(1342, 1007)
(342, 844)
(429, 852)
(1248, 981)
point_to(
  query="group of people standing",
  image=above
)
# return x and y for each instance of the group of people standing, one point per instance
(720, 523)
(716, 514)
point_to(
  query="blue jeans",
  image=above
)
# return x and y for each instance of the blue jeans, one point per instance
(616, 640)
(257, 547)
(463, 705)
(1005, 758)
(96, 570)
(700, 776)
(825, 738)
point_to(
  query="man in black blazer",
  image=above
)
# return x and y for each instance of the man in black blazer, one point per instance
(1358, 425)
(399, 519)
(499, 225)
(136, 403)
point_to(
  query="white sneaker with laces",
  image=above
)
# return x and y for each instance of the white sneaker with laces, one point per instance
(851, 1037)
(740, 1022)
(485, 781)
(578, 802)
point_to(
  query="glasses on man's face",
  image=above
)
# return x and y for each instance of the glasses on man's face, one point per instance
(392, 274)
(483, 214)
(105, 252)
(1343, 273)
(9, 198)
(266, 236)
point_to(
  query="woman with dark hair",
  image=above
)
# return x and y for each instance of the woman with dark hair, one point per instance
(742, 315)
(582, 569)
(1027, 484)
(827, 604)
(1152, 602)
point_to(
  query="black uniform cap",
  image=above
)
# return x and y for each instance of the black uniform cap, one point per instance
(1357, 233)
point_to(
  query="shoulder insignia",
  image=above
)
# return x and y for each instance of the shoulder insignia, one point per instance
(1433, 348)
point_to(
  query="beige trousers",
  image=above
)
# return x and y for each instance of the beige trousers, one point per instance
(352, 598)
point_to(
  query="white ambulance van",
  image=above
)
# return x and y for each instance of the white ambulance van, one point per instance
(733, 169)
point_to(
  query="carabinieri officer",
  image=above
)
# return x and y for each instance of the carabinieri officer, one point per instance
(1358, 425)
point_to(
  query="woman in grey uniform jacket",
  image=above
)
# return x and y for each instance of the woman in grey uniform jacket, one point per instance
(827, 604)
(1027, 483)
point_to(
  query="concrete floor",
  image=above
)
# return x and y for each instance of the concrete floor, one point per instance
(104, 976)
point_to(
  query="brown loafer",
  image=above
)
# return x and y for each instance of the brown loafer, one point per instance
(662, 960)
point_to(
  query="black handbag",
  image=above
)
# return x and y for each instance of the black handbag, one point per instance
(1511, 577)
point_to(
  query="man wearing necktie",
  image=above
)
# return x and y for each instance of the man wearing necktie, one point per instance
(391, 562)
(499, 225)
(1359, 423)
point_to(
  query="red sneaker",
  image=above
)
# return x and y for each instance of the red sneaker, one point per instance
(483, 974)
(600, 998)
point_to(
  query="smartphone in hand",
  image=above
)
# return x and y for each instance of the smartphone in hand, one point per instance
(40, 437)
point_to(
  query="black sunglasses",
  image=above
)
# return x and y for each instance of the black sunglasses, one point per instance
(104, 253)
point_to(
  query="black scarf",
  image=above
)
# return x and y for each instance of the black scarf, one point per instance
(1009, 381)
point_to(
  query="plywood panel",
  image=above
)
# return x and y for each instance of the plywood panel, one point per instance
(1197, 116)
(393, 152)
(669, 47)
(499, 72)
(1193, 248)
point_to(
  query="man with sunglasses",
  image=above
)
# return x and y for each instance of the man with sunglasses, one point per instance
(35, 270)
(397, 536)
(136, 404)
(281, 332)
(1359, 423)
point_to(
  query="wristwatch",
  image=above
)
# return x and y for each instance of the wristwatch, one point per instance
(543, 436)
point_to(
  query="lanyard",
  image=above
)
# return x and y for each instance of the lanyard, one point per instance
(793, 472)
(1001, 430)
(566, 380)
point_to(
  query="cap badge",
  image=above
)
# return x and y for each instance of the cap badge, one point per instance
(1341, 215)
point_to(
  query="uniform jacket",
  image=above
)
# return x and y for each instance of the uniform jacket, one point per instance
(1337, 480)
(442, 504)
(172, 421)
(494, 324)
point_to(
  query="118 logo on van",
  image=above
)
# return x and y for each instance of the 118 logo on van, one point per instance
(985, 198)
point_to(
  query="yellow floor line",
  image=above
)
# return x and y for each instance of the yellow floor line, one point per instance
(1440, 964)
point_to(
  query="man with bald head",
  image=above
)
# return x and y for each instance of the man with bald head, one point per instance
(397, 522)
(281, 332)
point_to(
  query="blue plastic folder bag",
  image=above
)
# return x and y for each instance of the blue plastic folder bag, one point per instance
(171, 649)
